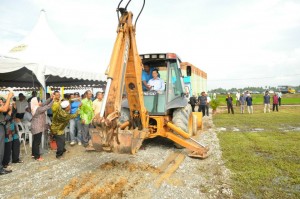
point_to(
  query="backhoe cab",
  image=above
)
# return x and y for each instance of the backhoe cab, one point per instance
(123, 124)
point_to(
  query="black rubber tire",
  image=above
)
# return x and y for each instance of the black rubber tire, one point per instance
(181, 120)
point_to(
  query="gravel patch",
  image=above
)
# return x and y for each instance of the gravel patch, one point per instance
(84, 174)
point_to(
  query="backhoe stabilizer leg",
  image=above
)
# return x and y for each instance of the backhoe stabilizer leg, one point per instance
(198, 151)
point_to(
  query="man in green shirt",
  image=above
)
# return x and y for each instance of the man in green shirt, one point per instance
(86, 117)
(60, 120)
(56, 103)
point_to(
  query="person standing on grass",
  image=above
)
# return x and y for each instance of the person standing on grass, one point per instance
(229, 101)
(267, 99)
(38, 124)
(4, 108)
(237, 98)
(275, 102)
(279, 98)
(59, 122)
(249, 103)
(242, 102)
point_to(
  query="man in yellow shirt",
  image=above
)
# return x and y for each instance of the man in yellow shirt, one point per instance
(56, 103)
(97, 103)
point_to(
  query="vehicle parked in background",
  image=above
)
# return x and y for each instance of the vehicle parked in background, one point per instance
(286, 89)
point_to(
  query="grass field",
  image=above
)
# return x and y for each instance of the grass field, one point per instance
(263, 152)
(258, 99)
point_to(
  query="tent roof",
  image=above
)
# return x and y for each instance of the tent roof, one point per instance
(40, 58)
(17, 73)
(41, 45)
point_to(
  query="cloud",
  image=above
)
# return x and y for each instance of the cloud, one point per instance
(228, 40)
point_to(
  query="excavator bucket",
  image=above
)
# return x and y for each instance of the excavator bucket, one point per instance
(124, 141)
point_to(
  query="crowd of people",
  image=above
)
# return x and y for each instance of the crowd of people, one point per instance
(242, 100)
(245, 99)
(202, 102)
(73, 110)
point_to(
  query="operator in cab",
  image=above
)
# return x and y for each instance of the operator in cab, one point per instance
(146, 76)
(156, 83)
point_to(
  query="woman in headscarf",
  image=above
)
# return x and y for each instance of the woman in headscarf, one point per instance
(38, 124)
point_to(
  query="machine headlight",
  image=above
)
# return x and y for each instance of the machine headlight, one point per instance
(161, 56)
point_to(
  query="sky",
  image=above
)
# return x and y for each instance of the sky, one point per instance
(238, 43)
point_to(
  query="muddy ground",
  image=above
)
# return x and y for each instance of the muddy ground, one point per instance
(84, 174)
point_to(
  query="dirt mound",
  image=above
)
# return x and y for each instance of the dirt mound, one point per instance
(97, 184)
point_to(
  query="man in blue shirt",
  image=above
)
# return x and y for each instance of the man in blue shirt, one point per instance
(146, 76)
(75, 126)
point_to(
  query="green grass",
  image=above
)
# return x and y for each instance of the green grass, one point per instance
(258, 99)
(264, 164)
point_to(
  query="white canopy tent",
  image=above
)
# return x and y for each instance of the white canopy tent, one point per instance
(17, 73)
(41, 60)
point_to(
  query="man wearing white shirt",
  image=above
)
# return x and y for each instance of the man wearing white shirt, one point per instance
(21, 105)
(27, 116)
(156, 83)
(207, 104)
(237, 98)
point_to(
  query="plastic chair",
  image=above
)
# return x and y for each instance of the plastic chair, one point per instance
(28, 134)
(21, 130)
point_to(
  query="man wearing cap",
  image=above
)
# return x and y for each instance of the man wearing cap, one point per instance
(21, 104)
(4, 108)
(59, 122)
(75, 126)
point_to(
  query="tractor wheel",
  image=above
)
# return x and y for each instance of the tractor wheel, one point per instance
(182, 118)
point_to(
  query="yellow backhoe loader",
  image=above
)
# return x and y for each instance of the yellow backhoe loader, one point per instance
(130, 115)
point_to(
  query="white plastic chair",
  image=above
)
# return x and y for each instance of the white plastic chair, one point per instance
(20, 133)
(28, 134)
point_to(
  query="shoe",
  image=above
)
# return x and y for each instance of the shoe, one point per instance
(18, 161)
(3, 171)
(85, 145)
(40, 159)
(60, 157)
(72, 143)
(90, 148)
(79, 143)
